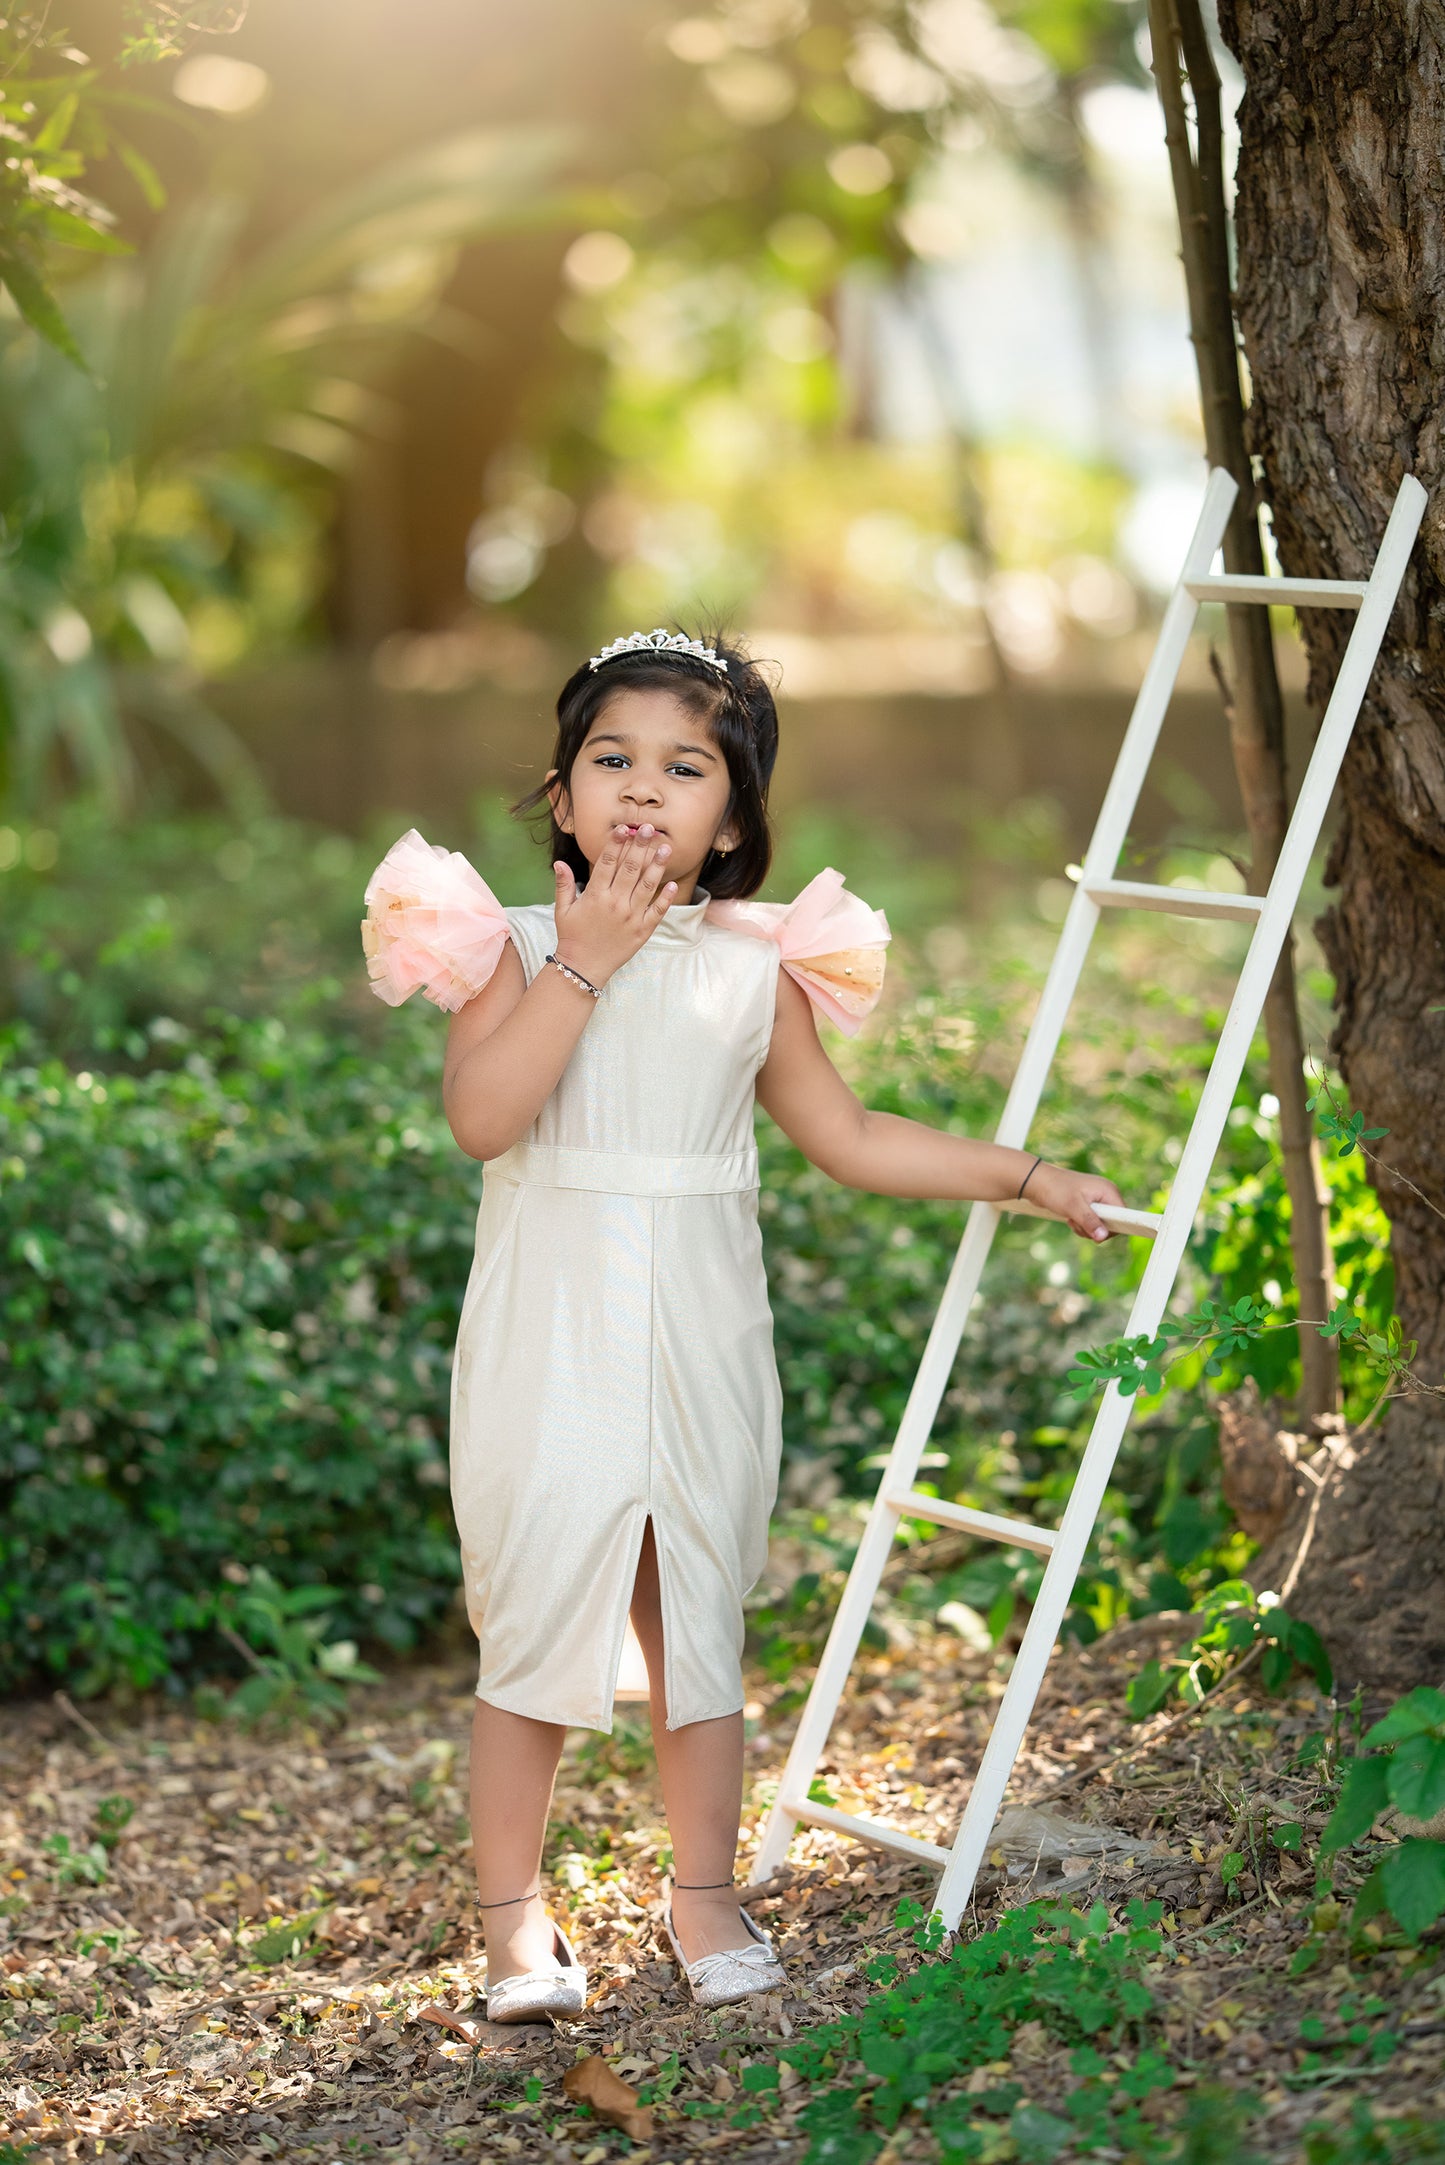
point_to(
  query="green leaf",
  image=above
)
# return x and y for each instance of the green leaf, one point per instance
(284, 1941)
(1276, 1666)
(1308, 1649)
(1289, 1836)
(760, 2077)
(1040, 2135)
(74, 231)
(144, 174)
(1417, 1776)
(1231, 1864)
(57, 127)
(1363, 1797)
(1420, 1711)
(1413, 1881)
(38, 305)
(1148, 1691)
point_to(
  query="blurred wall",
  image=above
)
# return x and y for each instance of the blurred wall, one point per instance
(340, 748)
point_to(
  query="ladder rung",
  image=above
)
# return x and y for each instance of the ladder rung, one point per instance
(1174, 901)
(1300, 593)
(1015, 1533)
(864, 1830)
(1145, 1223)
(1120, 1216)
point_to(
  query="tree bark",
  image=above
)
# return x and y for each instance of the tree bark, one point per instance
(1340, 220)
(1253, 703)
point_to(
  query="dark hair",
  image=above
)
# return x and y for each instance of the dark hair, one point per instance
(738, 709)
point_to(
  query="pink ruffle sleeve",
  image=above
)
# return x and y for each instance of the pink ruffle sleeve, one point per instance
(432, 926)
(832, 945)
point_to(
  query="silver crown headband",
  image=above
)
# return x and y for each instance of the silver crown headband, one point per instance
(660, 641)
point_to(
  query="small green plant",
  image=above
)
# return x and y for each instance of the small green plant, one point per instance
(77, 1867)
(284, 1941)
(921, 2037)
(1234, 1622)
(1408, 2140)
(1401, 1765)
(112, 1816)
(301, 1672)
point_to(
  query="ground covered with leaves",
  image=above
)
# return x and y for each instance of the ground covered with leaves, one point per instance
(219, 1944)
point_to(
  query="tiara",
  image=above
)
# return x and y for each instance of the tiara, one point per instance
(660, 641)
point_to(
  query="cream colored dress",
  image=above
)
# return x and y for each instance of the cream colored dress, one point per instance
(615, 1356)
(614, 1360)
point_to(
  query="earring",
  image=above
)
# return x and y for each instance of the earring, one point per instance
(722, 848)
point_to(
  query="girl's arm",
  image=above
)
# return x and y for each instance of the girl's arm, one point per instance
(801, 1089)
(507, 1048)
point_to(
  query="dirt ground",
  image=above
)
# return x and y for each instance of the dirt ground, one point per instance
(244, 1972)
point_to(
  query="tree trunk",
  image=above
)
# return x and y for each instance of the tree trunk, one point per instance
(1340, 218)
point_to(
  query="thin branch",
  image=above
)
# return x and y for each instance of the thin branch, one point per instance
(1402, 1180)
(1254, 706)
(72, 1713)
(248, 1653)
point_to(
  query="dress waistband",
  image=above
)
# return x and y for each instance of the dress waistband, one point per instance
(621, 1172)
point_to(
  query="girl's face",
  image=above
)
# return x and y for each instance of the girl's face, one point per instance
(648, 760)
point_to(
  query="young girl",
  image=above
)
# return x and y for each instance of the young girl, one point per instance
(615, 1403)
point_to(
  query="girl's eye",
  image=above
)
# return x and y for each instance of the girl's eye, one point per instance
(607, 759)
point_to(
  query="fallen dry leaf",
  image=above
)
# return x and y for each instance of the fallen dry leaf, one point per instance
(592, 2082)
(448, 2019)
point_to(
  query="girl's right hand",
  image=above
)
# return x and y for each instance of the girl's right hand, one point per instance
(619, 909)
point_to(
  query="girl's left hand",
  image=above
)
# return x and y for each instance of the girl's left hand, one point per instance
(1072, 1196)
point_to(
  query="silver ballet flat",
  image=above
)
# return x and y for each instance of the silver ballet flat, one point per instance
(735, 1974)
(534, 1994)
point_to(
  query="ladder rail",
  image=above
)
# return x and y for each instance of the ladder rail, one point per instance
(971, 1842)
(941, 1349)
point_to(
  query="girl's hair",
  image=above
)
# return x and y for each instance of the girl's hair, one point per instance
(739, 711)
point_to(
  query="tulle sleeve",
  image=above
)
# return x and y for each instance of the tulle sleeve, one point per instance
(432, 926)
(832, 945)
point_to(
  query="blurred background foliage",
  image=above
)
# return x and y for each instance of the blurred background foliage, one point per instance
(360, 366)
(236, 1235)
(433, 343)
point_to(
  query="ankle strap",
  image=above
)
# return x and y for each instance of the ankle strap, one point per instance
(709, 1886)
(511, 1901)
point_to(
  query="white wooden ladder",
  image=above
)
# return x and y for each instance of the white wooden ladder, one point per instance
(1098, 889)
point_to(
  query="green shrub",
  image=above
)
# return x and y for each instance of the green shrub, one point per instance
(229, 1284)
(228, 1290)
(233, 1248)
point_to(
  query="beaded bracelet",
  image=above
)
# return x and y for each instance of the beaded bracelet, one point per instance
(577, 978)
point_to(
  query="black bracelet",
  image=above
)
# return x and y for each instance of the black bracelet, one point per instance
(577, 978)
(1028, 1176)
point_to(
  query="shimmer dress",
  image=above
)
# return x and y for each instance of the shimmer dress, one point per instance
(614, 1360)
